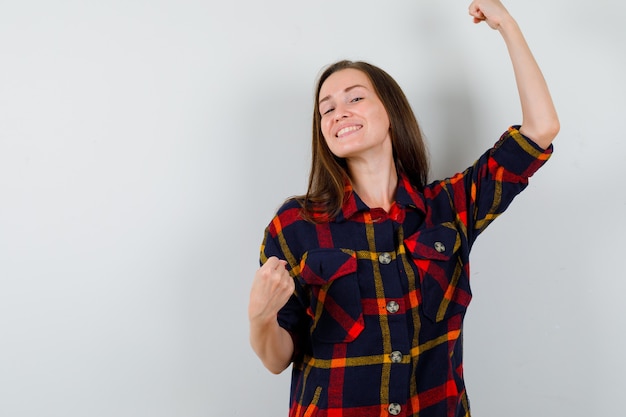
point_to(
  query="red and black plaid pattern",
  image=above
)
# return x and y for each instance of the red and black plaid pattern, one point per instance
(380, 297)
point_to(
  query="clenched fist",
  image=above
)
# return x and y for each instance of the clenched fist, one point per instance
(490, 11)
(271, 288)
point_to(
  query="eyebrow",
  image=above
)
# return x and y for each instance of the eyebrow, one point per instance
(345, 91)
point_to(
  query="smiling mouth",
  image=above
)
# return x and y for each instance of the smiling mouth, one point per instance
(347, 130)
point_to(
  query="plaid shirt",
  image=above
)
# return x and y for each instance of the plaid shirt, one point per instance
(380, 297)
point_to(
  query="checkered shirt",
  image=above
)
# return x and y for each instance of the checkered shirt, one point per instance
(377, 314)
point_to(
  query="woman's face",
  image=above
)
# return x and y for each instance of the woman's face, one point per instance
(354, 121)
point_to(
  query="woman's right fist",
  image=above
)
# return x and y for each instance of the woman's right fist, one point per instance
(271, 288)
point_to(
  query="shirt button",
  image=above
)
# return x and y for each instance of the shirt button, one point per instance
(393, 307)
(439, 247)
(384, 258)
(394, 409)
(396, 356)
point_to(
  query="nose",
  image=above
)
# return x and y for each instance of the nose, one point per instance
(340, 113)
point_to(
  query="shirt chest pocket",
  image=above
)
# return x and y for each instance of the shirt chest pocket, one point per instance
(444, 277)
(335, 304)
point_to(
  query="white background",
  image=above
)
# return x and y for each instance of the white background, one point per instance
(144, 146)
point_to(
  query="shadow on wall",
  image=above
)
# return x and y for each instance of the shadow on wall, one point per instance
(442, 99)
(276, 157)
(451, 133)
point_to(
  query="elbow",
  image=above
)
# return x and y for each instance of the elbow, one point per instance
(544, 134)
(272, 363)
(547, 135)
(275, 371)
(274, 368)
(553, 129)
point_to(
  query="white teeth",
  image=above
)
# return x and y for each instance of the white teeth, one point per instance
(347, 130)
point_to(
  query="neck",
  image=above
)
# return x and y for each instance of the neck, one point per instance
(375, 182)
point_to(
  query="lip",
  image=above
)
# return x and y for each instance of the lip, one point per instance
(347, 129)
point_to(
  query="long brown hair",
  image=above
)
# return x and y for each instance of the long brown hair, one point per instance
(325, 193)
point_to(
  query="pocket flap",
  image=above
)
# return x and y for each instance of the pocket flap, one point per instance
(437, 243)
(444, 279)
(322, 266)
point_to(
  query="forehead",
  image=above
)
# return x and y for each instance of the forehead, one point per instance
(338, 81)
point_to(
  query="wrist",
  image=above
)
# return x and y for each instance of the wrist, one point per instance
(507, 23)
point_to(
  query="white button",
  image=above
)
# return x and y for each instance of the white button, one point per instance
(394, 409)
(393, 307)
(396, 356)
(384, 258)
(440, 247)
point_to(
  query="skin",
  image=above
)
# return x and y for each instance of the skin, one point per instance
(539, 118)
(271, 288)
(355, 126)
(368, 153)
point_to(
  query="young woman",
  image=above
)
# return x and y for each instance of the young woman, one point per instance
(364, 281)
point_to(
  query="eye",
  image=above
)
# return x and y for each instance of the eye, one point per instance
(327, 111)
(354, 100)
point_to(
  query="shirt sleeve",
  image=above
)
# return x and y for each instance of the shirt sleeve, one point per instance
(518, 154)
(487, 188)
(292, 317)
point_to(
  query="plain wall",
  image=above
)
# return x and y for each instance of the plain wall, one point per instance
(145, 145)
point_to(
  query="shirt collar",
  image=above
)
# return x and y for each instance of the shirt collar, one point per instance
(406, 197)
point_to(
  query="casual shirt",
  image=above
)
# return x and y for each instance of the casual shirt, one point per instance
(377, 313)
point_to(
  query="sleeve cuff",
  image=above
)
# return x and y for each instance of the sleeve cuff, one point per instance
(518, 154)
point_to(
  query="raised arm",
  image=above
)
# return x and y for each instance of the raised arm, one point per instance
(539, 118)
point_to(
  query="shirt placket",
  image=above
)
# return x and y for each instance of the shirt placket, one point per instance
(396, 342)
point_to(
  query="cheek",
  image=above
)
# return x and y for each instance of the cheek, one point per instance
(383, 117)
(325, 127)
(325, 137)
(329, 144)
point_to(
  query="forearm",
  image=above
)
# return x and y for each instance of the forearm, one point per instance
(539, 118)
(272, 344)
